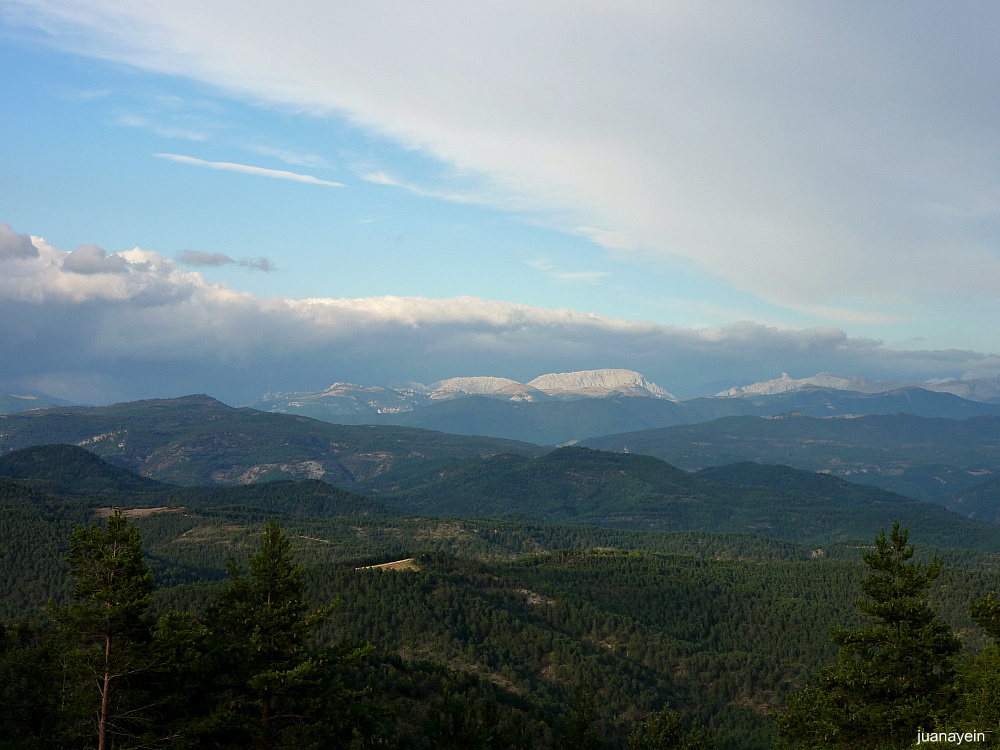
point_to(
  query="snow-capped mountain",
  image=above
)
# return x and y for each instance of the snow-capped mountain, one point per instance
(980, 389)
(347, 398)
(469, 386)
(599, 383)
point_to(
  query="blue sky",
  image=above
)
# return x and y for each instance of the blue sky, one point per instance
(708, 193)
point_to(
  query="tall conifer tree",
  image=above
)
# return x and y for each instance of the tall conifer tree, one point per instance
(896, 675)
(113, 589)
(261, 630)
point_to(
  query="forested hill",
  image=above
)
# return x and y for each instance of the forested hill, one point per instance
(581, 485)
(914, 456)
(71, 470)
(487, 623)
(198, 440)
(568, 485)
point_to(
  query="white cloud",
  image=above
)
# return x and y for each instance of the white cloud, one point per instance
(608, 239)
(149, 329)
(133, 120)
(567, 277)
(201, 258)
(248, 169)
(88, 259)
(14, 245)
(288, 156)
(383, 178)
(258, 264)
(806, 152)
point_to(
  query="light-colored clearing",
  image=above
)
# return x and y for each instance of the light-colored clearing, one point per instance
(407, 564)
(314, 539)
(138, 512)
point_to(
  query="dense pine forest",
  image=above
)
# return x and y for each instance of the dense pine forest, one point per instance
(298, 614)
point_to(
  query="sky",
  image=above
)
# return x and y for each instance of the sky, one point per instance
(245, 197)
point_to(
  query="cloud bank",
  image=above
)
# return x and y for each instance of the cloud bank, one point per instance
(94, 326)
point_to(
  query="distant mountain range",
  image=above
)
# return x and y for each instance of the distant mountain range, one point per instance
(561, 408)
(10, 403)
(347, 399)
(546, 419)
(197, 440)
(979, 389)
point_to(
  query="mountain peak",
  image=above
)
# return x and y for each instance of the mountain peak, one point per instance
(471, 385)
(599, 382)
(980, 389)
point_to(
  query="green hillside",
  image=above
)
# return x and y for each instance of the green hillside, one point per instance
(580, 485)
(9, 403)
(513, 614)
(71, 470)
(980, 502)
(914, 456)
(198, 440)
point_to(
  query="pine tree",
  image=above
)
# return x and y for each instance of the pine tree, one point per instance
(894, 676)
(986, 613)
(579, 731)
(113, 590)
(261, 629)
(664, 730)
(979, 699)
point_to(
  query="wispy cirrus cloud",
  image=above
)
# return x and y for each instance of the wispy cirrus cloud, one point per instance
(298, 158)
(133, 120)
(248, 169)
(567, 277)
(607, 238)
(383, 178)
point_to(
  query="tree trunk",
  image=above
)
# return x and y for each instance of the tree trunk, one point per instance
(265, 721)
(102, 721)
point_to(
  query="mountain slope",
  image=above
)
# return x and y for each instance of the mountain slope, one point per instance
(532, 415)
(915, 456)
(579, 485)
(71, 470)
(978, 389)
(598, 383)
(198, 440)
(9, 403)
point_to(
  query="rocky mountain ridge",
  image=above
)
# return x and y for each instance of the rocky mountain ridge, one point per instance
(976, 389)
(348, 398)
